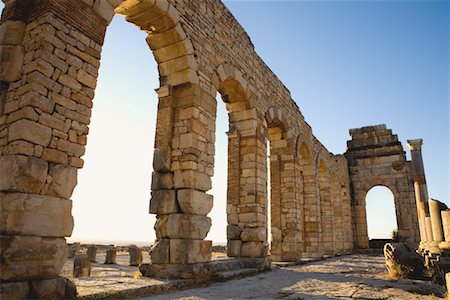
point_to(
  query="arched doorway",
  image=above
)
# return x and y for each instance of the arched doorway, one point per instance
(381, 216)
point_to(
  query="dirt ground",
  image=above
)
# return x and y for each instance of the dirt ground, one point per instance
(346, 277)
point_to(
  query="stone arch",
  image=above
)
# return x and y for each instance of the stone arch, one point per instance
(285, 207)
(376, 157)
(394, 195)
(338, 214)
(326, 207)
(56, 85)
(311, 205)
(246, 201)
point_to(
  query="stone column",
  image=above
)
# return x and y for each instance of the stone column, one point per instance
(183, 166)
(445, 215)
(49, 65)
(420, 187)
(436, 223)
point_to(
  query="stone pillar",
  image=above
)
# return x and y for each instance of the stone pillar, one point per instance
(285, 207)
(110, 258)
(135, 255)
(445, 215)
(81, 266)
(74, 249)
(420, 187)
(436, 223)
(234, 241)
(92, 253)
(183, 166)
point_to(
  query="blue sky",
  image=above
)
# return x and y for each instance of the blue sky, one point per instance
(347, 64)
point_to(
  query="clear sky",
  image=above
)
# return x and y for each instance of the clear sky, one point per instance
(347, 64)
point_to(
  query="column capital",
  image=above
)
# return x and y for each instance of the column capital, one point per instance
(415, 145)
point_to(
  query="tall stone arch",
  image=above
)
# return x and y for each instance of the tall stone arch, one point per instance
(376, 157)
(285, 207)
(312, 226)
(46, 97)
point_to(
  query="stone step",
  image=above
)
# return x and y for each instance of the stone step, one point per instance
(227, 275)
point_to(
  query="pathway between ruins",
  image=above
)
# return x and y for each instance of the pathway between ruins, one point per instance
(347, 277)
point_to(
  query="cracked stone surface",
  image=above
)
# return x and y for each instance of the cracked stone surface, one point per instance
(360, 277)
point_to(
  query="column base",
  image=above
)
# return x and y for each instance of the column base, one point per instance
(54, 288)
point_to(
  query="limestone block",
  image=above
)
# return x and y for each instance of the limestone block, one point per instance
(22, 173)
(30, 131)
(64, 180)
(160, 252)
(74, 250)
(184, 251)
(28, 257)
(31, 214)
(11, 61)
(192, 179)
(182, 226)
(110, 256)
(257, 234)
(81, 266)
(233, 232)
(162, 181)
(86, 79)
(11, 32)
(92, 253)
(55, 288)
(194, 202)
(163, 202)
(135, 255)
(14, 290)
(104, 9)
(160, 162)
(234, 248)
(253, 249)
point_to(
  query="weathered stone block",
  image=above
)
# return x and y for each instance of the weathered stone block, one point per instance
(253, 249)
(194, 202)
(234, 248)
(189, 251)
(92, 253)
(31, 214)
(190, 179)
(14, 290)
(81, 266)
(22, 174)
(160, 252)
(28, 257)
(135, 255)
(161, 163)
(162, 181)
(30, 131)
(110, 258)
(11, 60)
(163, 202)
(104, 9)
(182, 226)
(11, 32)
(56, 288)
(64, 180)
(233, 232)
(74, 250)
(257, 234)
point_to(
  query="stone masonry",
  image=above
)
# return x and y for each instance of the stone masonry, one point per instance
(50, 54)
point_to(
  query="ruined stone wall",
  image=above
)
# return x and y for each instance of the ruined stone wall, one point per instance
(376, 157)
(50, 60)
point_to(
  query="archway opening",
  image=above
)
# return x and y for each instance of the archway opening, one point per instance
(111, 199)
(381, 216)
